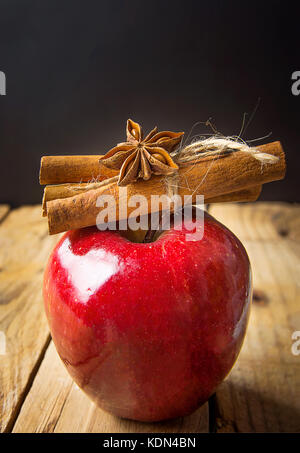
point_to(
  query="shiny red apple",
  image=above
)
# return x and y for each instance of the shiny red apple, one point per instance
(148, 330)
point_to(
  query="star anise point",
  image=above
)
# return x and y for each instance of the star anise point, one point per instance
(139, 158)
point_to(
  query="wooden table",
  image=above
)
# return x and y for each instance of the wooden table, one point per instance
(261, 394)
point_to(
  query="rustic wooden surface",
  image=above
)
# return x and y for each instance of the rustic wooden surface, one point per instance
(24, 247)
(261, 394)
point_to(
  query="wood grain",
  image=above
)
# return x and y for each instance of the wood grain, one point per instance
(24, 247)
(262, 393)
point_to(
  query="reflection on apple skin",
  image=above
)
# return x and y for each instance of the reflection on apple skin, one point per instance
(88, 272)
(148, 331)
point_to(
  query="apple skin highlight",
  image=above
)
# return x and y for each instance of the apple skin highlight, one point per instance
(148, 330)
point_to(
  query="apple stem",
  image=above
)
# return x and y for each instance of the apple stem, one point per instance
(152, 232)
(149, 236)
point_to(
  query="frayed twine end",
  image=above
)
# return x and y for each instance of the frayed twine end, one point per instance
(216, 146)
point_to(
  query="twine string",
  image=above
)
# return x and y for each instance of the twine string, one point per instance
(216, 146)
(94, 185)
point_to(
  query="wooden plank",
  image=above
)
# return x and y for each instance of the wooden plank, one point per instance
(262, 393)
(24, 247)
(56, 404)
(45, 400)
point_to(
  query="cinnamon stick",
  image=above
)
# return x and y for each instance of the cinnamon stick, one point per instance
(246, 195)
(64, 169)
(237, 171)
(58, 191)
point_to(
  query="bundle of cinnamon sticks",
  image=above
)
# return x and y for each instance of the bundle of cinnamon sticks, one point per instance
(72, 184)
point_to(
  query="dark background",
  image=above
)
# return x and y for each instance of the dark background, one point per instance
(76, 70)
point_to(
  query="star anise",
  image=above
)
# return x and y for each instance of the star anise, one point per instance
(140, 157)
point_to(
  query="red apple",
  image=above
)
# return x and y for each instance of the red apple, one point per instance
(148, 331)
